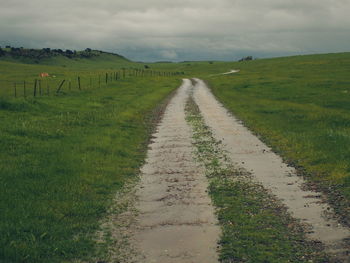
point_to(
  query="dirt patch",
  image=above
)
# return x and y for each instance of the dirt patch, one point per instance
(232, 71)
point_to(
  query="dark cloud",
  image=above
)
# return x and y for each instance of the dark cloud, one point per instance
(179, 30)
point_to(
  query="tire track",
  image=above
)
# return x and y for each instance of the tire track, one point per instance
(176, 221)
(248, 152)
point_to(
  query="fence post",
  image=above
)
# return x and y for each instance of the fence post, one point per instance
(99, 81)
(47, 89)
(79, 87)
(40, 92)
(24, 89)
(60, 86)
(15, 89)
(35, 83)
(106, 78)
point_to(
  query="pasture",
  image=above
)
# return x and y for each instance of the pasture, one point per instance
(65, 154)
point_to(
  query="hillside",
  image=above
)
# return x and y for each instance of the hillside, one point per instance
(50, 56)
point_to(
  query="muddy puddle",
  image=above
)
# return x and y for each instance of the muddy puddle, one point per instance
(176, 221)
(249, 153)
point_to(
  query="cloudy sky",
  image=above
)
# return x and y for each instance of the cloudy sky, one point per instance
(152, 30)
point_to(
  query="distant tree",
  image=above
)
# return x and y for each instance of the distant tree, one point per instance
(69, 52)
(59, 51)
(246, 58)
(8, 46)
(88, 49)
(2, 52)
(146, 66)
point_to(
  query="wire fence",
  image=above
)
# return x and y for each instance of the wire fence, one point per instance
(52, 85)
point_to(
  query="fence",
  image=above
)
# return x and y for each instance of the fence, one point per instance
(47, 86)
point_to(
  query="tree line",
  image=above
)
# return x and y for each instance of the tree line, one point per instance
(43, 53)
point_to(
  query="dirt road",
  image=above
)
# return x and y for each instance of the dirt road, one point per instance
(176, 221)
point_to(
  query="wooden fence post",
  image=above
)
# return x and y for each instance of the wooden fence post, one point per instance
(79, 87)
(40, 92)
(60, 86)
(35, 83)
(15, 87)
(24, 89)
(106, 78)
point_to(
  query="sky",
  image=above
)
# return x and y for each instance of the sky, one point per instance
(179, 30)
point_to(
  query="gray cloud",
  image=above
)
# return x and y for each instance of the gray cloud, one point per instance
(179, 30)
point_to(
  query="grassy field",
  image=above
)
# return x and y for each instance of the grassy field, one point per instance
(62, 159)
(301, 107)
(93, 72)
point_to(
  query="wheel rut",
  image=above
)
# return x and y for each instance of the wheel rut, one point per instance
(246, 151)
(176, 221)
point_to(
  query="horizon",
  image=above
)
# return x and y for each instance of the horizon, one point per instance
(168, 61)
(191, 30)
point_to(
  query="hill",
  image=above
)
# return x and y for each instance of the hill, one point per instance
(47, 56)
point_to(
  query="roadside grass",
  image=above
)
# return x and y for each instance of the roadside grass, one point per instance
(255, 226)
(63, 158)
(300, 106)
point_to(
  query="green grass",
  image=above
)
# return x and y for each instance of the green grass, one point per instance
(255, 226)
(92, 73)
(62, 158)
(301, 107)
